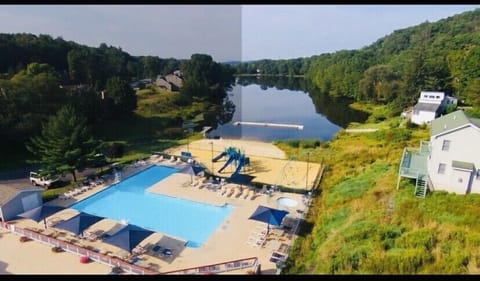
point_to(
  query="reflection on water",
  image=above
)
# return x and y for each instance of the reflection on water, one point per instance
(260, 103)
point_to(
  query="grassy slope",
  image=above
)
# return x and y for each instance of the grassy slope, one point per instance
(361, 224)
(145, 131)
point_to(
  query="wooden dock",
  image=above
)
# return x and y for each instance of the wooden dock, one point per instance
(294, 126)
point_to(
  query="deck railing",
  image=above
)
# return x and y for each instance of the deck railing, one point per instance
(218, 267)
(77, 250)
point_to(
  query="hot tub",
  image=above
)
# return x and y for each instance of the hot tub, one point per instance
(287, 202)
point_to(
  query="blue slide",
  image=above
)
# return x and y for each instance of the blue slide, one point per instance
(239, 167)
(219, 156)
(226, 163)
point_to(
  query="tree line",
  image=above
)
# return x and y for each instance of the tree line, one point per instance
(47, 84)
(439, 56)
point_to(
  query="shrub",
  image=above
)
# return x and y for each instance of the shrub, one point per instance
(409, 124)
(173, 133)
(115, 150)
(293, 143)
(309, 143)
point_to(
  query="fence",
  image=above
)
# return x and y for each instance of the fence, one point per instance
(219, 267)
(80, 251)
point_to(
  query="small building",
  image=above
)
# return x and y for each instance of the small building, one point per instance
(14, 200)
(450, 160)
(175, 80)
(430, 105)
(163, 84)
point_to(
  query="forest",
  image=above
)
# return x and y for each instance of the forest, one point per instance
(41, 74)
(439, 56)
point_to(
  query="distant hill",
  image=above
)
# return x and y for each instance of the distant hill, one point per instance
(442, 55)
(76, 63)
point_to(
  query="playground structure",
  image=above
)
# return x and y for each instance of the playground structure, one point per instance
(233, 156)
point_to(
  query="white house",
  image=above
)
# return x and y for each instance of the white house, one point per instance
(450, 161)
(454, 160)
(430, 105)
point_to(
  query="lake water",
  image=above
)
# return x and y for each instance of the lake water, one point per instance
(255, 103)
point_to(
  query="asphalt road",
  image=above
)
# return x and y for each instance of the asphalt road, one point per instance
(21, 177)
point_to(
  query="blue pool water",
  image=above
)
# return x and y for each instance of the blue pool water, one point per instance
(128, 200)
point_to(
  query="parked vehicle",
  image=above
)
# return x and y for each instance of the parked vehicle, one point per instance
(37, 179)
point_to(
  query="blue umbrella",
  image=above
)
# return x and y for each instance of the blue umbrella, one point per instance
(193, 170)
(128, 237)
(269, 215)
(78, 223)
(41, 213)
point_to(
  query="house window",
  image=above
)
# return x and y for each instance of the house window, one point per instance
(441, 168)
(460, 180)
(446, 145)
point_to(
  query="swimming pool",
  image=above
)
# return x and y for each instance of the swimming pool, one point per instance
(128, 200)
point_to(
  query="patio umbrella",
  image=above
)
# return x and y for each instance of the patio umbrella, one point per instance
(241, 179)
(269, 215)
(41, 213)
(128, 237)
(78, 223)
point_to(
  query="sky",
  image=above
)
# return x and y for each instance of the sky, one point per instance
(226, 32)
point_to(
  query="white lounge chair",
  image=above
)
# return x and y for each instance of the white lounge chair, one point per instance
(247, 194)
(256, 242)
(222, 190)
(230, 191)
(238, 191)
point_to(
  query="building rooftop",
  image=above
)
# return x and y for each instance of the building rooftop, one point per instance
(7, 192)
(452, 121)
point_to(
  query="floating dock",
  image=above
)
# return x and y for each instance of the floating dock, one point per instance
(294, 126)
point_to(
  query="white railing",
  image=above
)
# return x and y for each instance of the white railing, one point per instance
(77, 250)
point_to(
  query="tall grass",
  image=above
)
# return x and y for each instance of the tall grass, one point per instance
(363, 225)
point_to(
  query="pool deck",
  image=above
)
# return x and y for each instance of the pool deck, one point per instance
(231, 241)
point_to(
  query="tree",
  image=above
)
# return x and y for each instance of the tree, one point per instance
(205, 78)
(64, 144)
(120, 96)
(380, 83)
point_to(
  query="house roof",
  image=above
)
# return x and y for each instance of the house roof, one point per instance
(463, 165)
(452, 121)
(432, 107)
(7, 192)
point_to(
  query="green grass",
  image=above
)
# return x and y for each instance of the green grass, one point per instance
(355, 187)
(361, 224)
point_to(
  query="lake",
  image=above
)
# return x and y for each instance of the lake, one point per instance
(258, 103)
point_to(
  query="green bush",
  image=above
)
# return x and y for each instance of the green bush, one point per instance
(410, 125)
(309, 143)
(173, 133)
(293, 143)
